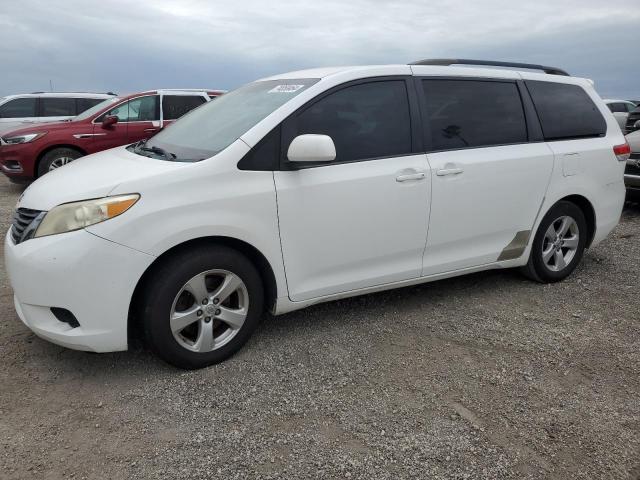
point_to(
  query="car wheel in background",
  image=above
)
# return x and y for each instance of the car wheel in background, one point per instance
(559, 244)
(56, 158)
(200, 306)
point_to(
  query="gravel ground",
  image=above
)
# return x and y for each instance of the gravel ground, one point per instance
(483, 376)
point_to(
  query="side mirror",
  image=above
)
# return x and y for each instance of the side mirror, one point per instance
(312, 148)
(109, 120)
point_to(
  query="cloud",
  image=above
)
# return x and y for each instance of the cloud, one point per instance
(129, 46)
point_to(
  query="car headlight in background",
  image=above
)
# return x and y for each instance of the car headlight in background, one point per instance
(77, 215)
(17, 139)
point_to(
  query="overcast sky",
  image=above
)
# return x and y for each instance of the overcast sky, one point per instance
(127, 46)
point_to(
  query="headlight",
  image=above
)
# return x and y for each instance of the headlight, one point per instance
(77, 215)
(16, 139)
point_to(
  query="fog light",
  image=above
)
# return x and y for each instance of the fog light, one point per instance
(65, 316)
(12, 166)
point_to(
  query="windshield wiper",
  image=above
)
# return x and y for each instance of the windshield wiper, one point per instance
(140, 146)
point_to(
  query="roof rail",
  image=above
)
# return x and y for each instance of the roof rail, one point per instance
(73, 93)
(490, 63)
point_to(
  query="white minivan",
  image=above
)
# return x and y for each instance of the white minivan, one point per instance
(312, 186)
(18, 111)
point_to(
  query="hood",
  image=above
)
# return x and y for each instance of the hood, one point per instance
(93, 176)
(20, 129)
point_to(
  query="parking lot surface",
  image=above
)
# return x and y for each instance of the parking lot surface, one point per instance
(483, 376)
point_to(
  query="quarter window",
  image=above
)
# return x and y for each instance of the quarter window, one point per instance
(139, 109)
(19, 108)
(174, 106)
(473, 113)
(57, 107)
(566, 111)
(369, 120)
(83, 104)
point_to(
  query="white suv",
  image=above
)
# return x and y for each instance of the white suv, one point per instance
(311, 186)
(17, 111)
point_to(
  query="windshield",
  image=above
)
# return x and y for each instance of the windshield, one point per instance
(96, 108)
(211, 128)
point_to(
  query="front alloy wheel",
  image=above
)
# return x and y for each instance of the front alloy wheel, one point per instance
(56, 158)
(200, 305)
(209, 310)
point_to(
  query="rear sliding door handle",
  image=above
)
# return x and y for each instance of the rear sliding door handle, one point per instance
(448, 171)
(410, 176)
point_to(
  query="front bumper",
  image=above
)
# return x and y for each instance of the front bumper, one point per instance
(18, 161)
(91, 277)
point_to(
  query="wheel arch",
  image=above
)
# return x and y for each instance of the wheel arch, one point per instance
(252, 253)
(51, 148)
(589, 214)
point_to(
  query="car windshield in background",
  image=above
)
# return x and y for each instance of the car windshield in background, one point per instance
(211, 128)
(96, 108)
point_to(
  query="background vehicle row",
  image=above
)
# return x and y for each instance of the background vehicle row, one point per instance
(31, 152)
(18, 111)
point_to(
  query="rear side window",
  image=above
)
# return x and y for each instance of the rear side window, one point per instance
(618, 107)
(566, 111)
(174, 106)
(473, 113)
(83, 104)
(57, 107)
(19, 108)
(368, 120)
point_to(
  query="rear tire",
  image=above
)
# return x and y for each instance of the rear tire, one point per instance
(559, 243)
(201, 305)
(56, 158)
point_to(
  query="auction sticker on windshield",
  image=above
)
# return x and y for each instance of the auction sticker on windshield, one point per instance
(285, 88)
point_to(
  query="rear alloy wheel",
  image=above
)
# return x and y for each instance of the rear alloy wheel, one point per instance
(559, 243)
(201, 305)
(56, 158)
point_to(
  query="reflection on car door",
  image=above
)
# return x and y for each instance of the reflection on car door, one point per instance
(362, 220)
(488, 182)
(114, 135)
(144, 118)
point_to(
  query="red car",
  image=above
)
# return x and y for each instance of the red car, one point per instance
(31, 152)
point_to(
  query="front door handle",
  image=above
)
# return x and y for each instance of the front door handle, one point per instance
(151, 130)
(448, 171)
(410, 176)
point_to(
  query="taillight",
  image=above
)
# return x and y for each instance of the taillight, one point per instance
(622, 152)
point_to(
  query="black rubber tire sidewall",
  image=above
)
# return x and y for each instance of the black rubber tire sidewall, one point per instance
(49, 157)
(163, 285)
(535, 258)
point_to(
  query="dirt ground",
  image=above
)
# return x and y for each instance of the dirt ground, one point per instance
(479, 377)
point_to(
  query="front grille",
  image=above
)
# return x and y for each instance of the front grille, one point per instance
(632, 119)
(22, 218)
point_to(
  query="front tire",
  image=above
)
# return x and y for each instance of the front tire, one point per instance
(201, 306)
(559, 244)
(57, 158)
